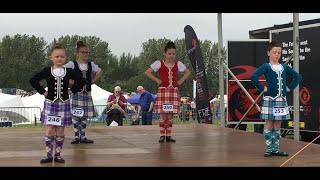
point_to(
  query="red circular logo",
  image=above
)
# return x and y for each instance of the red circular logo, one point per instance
(305, 95)
(194, 42)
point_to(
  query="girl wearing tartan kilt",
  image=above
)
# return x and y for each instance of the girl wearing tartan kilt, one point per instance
(56, 111)
(167, 100)
(83, 99)
(274, 106)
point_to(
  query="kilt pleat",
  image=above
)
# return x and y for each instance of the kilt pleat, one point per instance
(83, 100)
(57, 108)
(267, 105)
(167, 96)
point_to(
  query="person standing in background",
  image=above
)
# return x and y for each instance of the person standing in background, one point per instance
(146, 103)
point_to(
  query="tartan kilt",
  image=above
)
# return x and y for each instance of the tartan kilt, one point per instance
(83, 100)
(267, 105)
(57, 108)
(170, 96)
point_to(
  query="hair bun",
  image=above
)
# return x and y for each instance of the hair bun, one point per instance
(80, 43)
(170, 44)
(57, 46)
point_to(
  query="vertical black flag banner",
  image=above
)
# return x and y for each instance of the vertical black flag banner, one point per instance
(196, 60)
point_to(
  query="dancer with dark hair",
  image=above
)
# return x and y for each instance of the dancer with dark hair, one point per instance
(274, 106)
(167, 100)
(82, 104)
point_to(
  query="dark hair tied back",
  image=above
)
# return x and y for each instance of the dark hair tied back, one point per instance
(170, 45)
(80, 44)
(273, 44)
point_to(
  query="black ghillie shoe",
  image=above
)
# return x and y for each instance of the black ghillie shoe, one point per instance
(46, 160)
(75, 141)
(267, 154)
(169, 139)
(280, 153)
(59, 160)
(162, 138)
(85, 140)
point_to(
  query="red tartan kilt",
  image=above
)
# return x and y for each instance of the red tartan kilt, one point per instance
(168, 96)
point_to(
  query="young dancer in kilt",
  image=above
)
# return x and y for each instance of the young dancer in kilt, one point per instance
(167, 100)
(56, 111)
(83, 99)
(274, 106)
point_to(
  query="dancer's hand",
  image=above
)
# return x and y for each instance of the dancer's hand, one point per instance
(158, 81)
(265, 89)
(288, 90)
(71, 81)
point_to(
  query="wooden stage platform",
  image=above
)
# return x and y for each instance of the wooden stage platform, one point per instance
(198, 145)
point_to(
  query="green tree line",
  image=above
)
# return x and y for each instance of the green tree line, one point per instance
(21, 56)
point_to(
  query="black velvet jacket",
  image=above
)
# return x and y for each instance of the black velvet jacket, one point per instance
(57, 86)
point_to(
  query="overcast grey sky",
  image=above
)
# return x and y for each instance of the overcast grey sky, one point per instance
(125, 32)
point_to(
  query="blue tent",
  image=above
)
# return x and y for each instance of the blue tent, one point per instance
(135, 98)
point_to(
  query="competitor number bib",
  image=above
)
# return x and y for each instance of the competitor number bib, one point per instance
(53, 120)
(167, 107)
(279, 111)
(78, 112)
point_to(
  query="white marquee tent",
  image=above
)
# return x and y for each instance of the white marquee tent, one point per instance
(22, 109)
(99, 94)
(12, 108)
(99, 97)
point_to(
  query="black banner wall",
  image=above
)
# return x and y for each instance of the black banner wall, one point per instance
(244, 57)
(196, 60)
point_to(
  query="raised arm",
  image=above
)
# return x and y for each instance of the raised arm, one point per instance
(255, 77)
(35, 81)
(186, 74)
(96, 77)
(98, 72)
(296, 78)
(79, 81)
(149, 74)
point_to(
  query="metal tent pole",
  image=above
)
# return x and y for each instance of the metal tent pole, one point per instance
(296, 68)
(221, 74)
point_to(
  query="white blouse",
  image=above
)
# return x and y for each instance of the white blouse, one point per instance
(157, 64)
(83, 66)
(276, 67)
(59, 72)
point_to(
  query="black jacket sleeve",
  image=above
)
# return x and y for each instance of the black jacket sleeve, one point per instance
(35, 80)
